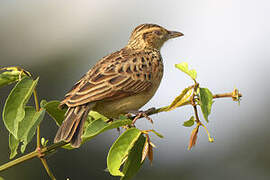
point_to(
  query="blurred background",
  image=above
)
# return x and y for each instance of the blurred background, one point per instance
(226, 41)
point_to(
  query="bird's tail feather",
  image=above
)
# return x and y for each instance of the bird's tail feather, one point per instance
(72, 127)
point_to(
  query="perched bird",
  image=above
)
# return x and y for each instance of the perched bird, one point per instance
(119, 83)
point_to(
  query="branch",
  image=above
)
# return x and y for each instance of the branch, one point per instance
(36, 153)
(232, 95)
(46, 150)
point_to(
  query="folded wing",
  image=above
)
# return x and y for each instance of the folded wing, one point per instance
(115, 76)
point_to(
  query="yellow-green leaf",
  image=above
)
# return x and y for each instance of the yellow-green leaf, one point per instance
(8, 77)
(206, 101)
(14, 112)
(190, 122)
(120, 150)
(184, 68)
(180, 100)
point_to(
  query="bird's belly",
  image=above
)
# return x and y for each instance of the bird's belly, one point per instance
(112, 109)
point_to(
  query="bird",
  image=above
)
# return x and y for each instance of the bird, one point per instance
(118, 83)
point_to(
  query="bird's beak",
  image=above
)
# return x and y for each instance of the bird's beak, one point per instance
(174, 34)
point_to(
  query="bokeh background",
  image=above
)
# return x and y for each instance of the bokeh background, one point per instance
(226, 41)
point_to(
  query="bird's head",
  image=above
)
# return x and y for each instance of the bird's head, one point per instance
(150, 36)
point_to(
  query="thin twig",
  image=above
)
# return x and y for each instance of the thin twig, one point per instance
(225, 95)
(222, 95)
(193, 103)
(44, 162)
(196, 114)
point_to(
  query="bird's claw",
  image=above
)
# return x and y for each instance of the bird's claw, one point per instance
(140, 114)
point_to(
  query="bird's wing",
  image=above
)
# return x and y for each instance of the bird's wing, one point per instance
(118, 75)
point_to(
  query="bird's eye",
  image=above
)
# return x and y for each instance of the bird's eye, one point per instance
(157, 33)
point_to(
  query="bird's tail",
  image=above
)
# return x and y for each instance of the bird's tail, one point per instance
(72, 127)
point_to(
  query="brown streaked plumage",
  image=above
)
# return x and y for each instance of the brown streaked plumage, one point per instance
(119, 83)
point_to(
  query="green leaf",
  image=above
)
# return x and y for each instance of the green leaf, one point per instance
(190, 122)
(52, 109)
(120, 150)
(206, 101)
(27, 129)
(28, 126)
(14, 112)
(1, 178)
(98, 126)
(23, 125)
(179, 100)
(184, 68)
(133, 162)
(13, 146)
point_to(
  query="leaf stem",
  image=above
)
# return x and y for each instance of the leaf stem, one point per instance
(37, 109)
(210, 139)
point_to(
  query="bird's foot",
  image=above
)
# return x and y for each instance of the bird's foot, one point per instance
(140, 114)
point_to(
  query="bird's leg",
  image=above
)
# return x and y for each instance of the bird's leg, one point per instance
(140, 114)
